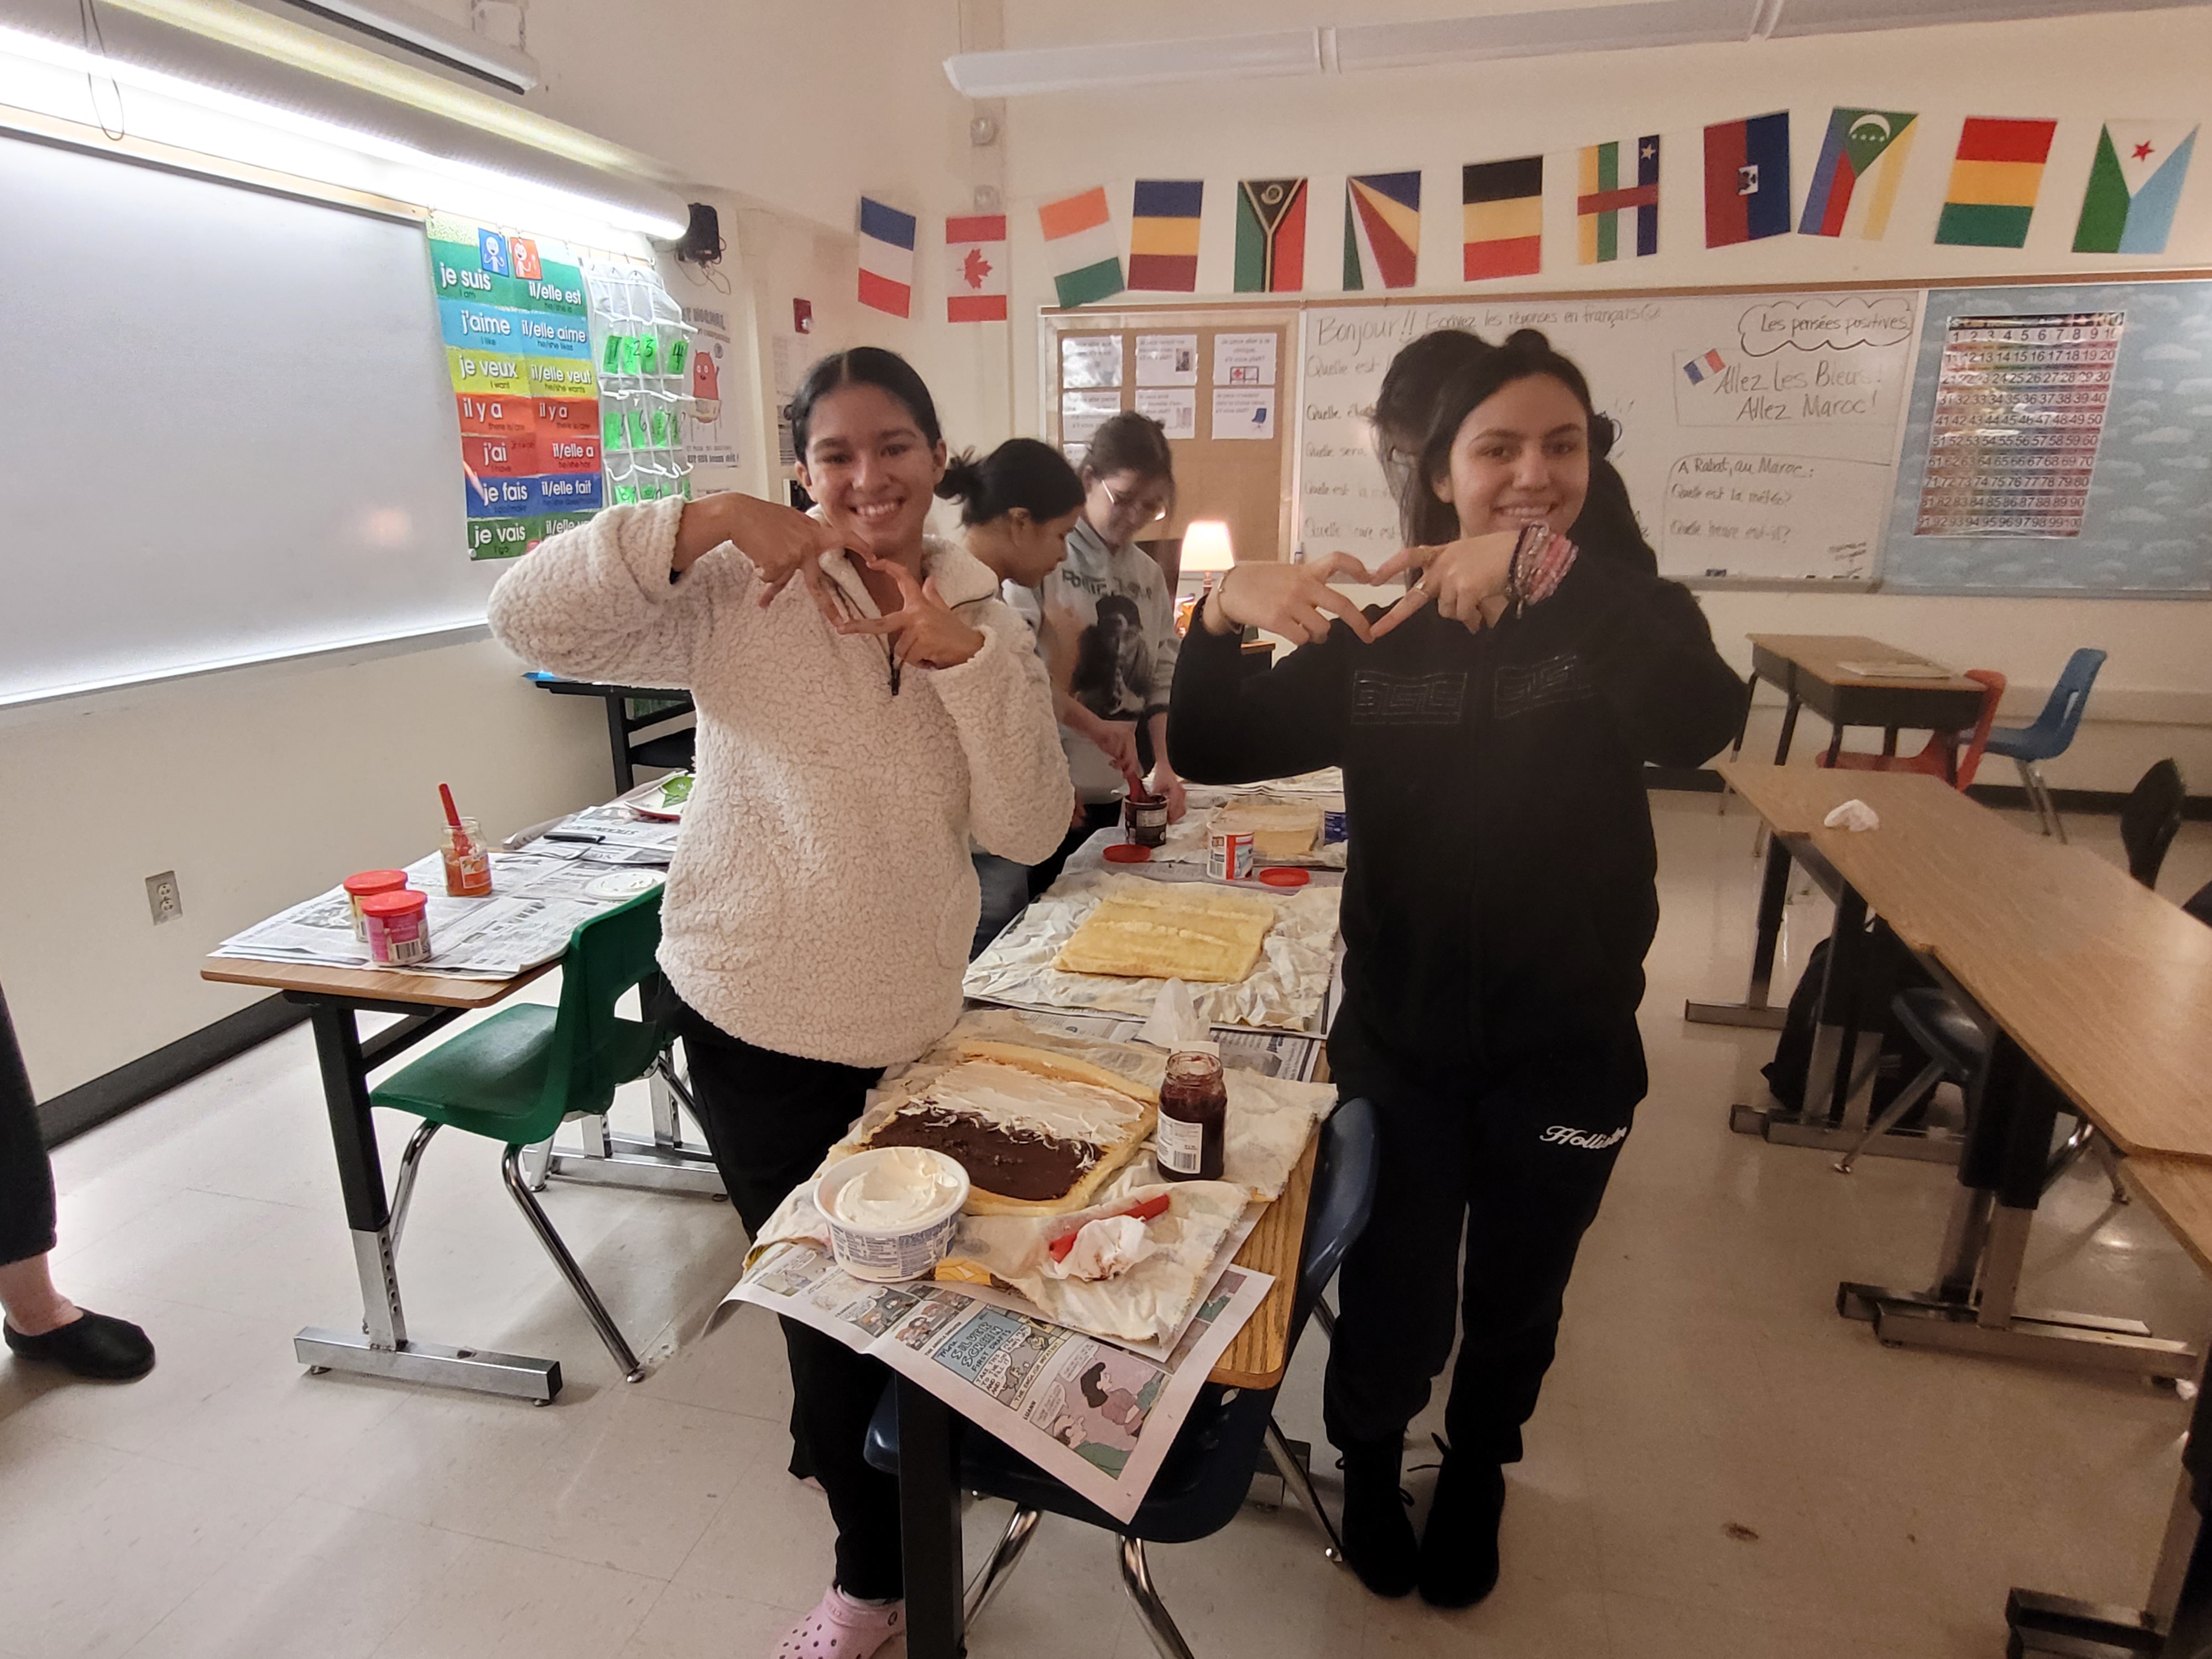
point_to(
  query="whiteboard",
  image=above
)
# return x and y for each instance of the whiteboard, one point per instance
(1775, 460)
(2147, 529)
(228, 429)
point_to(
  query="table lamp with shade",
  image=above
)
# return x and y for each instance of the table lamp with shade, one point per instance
(1206, 552)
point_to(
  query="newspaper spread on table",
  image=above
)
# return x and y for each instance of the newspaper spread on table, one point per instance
(1288, 987)
(1089, 1413)
(1293, 1055)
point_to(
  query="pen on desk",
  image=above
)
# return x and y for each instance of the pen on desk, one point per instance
(572, 835)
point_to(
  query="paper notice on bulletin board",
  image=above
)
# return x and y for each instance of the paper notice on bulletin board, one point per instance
(1082, 413)
(1243, 412)
(1175, 407)
(519, 350)
(1244, 359)
(1167, 360)
(1090, 360)
(710, 443)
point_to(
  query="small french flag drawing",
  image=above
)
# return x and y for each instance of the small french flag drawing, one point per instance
(886, 258)
(1702, 368)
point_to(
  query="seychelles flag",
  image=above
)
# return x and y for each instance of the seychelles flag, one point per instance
(2134, 185)
(1382, 230)
(886, 258)
(1855, 181)
(1747, 179)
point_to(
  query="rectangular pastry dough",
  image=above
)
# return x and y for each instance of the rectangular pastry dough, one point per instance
(1170, 929)
(1280, 830)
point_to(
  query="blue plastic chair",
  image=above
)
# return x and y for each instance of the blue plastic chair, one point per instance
(1208, 1470)
(2050, 734)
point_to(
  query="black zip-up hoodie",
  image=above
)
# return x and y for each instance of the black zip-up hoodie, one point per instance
(1499, 895)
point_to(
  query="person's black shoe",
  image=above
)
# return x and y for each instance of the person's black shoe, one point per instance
(92, 1346)
(1378, 1536)
(1459, 1549)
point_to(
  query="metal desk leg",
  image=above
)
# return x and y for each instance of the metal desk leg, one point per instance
(665, 1164)
(929, 1525)
(618, 736)
(2008, 1146)
(1788, 730)
(383, 1347)
(1773, 900)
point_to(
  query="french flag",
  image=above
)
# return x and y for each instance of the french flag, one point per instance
(886, 258)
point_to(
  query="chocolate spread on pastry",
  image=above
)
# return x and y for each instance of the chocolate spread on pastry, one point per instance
(1017, 1163)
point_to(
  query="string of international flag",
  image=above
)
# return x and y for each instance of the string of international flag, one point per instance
(1989, 201)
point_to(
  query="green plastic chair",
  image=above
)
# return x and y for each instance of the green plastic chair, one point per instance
(515, 1076)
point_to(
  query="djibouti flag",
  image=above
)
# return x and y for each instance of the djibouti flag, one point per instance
(1855, 181)
(2134, 186)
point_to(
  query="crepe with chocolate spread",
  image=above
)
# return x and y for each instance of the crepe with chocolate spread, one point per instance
(1038, 1133)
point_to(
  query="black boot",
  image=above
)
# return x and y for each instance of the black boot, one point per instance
(1378, 1536)
(1459, 1550)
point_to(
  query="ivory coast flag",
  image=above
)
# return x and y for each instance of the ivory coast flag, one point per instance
(2135, 184)
(1855, 181)
(1080, 245)
(1382, 230)
(1995, 178)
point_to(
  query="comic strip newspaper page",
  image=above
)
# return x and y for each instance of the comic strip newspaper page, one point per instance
(1095, 1416)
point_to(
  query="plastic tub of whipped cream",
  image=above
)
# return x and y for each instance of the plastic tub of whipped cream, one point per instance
(892, 1210)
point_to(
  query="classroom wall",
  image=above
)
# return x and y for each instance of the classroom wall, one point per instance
(2155, 696)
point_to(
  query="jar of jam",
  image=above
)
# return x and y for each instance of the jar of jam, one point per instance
(1192, 1132)
(1145, 819)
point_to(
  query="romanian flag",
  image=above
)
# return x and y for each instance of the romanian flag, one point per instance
(1503, 213)
(1608, 192)
(1163, 236)
(1271, 236)
(2134, 186)
(886, 258)
(976, 268)
(1747, 179)
(1855, 181)
(1382, 230)
(1994, 180)
(1080, 245)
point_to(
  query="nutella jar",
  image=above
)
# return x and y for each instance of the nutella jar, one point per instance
(1145, 819)
(1192, 1135)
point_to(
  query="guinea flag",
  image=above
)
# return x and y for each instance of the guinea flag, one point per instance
(1271, 235)
(2134, 186)
(1994, 181)
(1855, 181)
(1747, 179)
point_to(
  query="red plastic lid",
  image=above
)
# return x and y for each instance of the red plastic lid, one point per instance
(407, 902)
(1126, 852)
(362, 883)
(1284, 875)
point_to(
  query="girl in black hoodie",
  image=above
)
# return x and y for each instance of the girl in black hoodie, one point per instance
(1498, 899)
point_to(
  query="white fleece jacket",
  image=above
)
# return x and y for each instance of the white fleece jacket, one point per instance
(822, 900)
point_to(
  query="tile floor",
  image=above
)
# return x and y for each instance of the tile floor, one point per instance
(1720, 1466)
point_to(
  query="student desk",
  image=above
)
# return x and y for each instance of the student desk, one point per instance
(426, 1004)
(929, 1490)
(1807, 668)
(673, 751)
(2083, 975)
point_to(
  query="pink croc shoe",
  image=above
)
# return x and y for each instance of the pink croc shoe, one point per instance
(841, 1628)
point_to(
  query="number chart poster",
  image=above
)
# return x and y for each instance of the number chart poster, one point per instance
(519, 349)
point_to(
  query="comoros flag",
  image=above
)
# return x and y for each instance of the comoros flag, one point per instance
(1855, 181)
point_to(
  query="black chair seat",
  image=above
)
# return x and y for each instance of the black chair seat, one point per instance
(1943, 1031)
(1197, 1492)
(673, 752)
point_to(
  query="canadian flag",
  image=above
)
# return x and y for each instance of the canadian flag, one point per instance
(975, 269)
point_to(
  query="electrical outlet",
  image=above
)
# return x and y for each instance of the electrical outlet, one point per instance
(163, 898)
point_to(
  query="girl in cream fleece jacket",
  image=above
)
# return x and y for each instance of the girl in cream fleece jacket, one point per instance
(861, 717)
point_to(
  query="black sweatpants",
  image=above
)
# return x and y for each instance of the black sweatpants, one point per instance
(1098, 815)
(769, 1118)
(1521, 1162)
(27, 1179)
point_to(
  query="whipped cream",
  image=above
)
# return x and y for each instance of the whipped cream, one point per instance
(1015, 1099)
(900, 1186)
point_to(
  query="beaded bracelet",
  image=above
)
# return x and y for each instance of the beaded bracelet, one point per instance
(1540, 562)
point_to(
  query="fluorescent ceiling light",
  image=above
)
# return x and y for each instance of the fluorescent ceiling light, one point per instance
(1807, 17)
(424, 32)
(1542, 33)
(1067, 69)
(177, 64)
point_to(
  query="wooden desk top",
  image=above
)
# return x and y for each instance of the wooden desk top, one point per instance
(2180, 1190)
(1256, 1358)
(1823, 657)
(2107, 987)
(369, 984)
